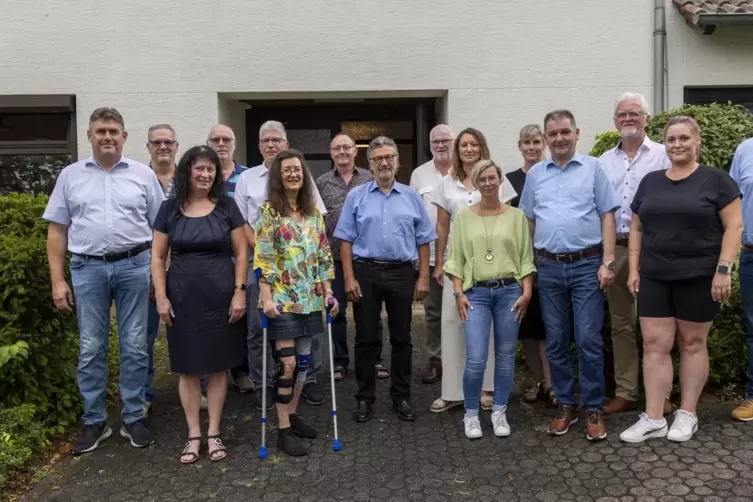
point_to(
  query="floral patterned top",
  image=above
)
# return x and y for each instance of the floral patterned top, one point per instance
(294, 258)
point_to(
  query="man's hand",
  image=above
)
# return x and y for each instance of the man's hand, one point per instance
(62, 296)
(606, 277)
(353, 290)
(422, 287)
(439, 274)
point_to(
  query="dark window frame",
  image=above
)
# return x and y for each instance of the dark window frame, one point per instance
(40, 105)
(703, 95)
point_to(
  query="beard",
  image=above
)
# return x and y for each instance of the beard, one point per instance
(630, 132)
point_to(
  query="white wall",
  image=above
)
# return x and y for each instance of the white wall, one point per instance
(501, 64)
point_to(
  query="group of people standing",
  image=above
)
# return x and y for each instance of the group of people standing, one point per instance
(494, 257)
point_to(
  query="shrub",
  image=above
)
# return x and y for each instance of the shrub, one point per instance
(20, 437)
(723, 127)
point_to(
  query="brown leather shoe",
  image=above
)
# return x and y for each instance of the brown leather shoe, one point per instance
(595, 430)
(618, 405)
(565, 417)
(433, 372)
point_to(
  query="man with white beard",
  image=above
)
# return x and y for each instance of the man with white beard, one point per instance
(626, 165)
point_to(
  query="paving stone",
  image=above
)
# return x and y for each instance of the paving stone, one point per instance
(427, 460)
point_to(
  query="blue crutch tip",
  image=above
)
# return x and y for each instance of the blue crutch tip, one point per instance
(263, 452)
(336, 445)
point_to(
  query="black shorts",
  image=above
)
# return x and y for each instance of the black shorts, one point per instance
(685, 299)
(532, 326)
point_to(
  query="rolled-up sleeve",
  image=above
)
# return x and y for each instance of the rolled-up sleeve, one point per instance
(57, 210)
(324, 253)
(525, 248)
(425, 232)
(604, 194)
(347, 228)
(264, 251)
(154, 197)
(528, 198)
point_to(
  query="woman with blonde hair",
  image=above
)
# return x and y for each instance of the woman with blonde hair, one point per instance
(453, 193)
(532, 334)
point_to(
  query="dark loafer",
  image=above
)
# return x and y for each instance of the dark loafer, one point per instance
(404, 410)
(363, 411)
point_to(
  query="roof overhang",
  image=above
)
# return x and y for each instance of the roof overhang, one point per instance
(708, 14)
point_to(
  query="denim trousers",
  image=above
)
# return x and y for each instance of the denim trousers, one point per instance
(95, 284)
(562, 286)
(746, 292)
(152, 328)
(491, 307)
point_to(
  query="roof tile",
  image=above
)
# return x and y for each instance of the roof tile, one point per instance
(691, 9)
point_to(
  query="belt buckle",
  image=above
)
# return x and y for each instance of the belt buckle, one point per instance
(493, 284)
(562, 258)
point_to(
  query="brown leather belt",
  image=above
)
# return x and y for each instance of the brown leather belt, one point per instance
(570, 257)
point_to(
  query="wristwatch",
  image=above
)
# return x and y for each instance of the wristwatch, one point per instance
(611, 265)
(242, 287)
(722, 269)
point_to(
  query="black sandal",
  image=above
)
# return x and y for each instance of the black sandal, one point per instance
(340, 373)
(220, 448)
(381, 368)
(187, 451)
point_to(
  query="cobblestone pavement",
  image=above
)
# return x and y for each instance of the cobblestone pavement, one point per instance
(429, 459)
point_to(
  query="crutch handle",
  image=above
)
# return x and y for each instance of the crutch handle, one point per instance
(330, 304)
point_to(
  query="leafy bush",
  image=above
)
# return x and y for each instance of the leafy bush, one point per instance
(723, 127)
(21, 435)
(47, 378)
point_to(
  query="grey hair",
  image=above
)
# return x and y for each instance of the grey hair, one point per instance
(380, 142)
(441, 128)
(273, 125)
(633, 95)
(483, 165)
(160, 126)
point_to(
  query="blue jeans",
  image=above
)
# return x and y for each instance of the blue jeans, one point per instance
(95, 284)
(152, 328)
(746, 292)
(490, 304)
(576, 284)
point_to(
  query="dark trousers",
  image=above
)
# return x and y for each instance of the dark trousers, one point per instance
(340, 323)
(394, 287)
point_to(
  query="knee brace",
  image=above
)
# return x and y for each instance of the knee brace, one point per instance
(282, 381)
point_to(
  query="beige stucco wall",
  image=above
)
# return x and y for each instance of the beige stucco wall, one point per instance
(500, 64)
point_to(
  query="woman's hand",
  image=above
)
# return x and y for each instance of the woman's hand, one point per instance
(633, 283)
(270, 309)
(721, 287)
(165, 311)
(335, 306)
(237, 306)
(463, 305)
(521, 306)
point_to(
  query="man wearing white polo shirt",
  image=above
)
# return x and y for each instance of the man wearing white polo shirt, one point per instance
(250, 194)
(423, 180)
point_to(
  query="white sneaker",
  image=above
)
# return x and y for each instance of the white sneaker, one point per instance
(645, 428)
(204, 403)
(499, 421)
(472, 426)
(683, 427)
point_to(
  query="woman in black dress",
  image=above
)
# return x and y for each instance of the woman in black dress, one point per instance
(204, 295)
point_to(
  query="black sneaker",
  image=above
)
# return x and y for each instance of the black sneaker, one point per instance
(270, 399)
(91, 436)
(300, 428)
(137, 434)
(313, 393)
(291, 444)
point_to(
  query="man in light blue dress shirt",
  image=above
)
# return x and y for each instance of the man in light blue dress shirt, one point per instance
(102, 210)
(384, 229)
(742, 173)
(570, 205)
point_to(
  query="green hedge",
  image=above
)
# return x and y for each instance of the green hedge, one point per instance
(38, 344)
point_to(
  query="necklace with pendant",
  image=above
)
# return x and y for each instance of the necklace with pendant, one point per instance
(489, 256)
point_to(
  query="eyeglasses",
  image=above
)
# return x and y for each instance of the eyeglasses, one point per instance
(274, 141)
(441, 141)
(629, 115)
(288, 172)
(343, 148)
(388, 158)
(216, 140)
(160, 142)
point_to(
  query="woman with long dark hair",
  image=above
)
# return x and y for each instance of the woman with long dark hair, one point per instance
(203, 295)
(296, 265)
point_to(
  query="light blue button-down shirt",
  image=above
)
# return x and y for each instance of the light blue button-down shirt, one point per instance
(567, 203)
(385, 227)
(742, 173)
(105, 211)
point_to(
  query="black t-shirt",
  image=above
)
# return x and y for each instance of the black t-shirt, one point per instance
(682, 230)
(518, 180)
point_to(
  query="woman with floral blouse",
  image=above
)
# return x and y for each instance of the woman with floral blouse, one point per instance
(296, 269)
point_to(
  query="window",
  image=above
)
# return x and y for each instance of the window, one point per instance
(705, 95)
(37, 139)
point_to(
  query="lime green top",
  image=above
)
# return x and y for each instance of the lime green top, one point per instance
(509, 239)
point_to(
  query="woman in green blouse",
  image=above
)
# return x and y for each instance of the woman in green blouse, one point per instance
(491, 267)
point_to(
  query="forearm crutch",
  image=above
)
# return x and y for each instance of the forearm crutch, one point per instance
(263, 448)
(336, 441)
